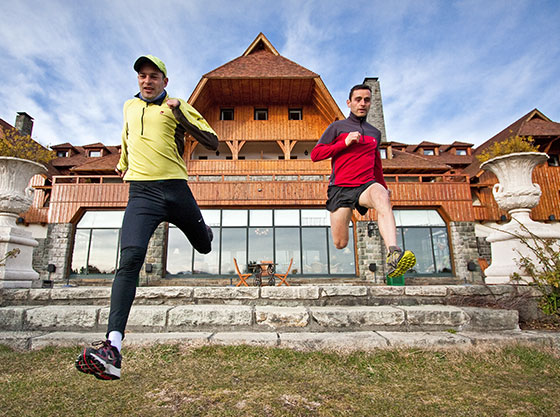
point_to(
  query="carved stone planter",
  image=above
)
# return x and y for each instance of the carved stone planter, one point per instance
(516, 194)
(16, 197)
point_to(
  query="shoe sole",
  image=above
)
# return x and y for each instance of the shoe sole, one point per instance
(89, 363)
(407, 261)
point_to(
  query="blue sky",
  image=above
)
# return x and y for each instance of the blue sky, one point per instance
(449, 70)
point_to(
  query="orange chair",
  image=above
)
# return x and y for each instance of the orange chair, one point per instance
(284, 276)
(242, 277)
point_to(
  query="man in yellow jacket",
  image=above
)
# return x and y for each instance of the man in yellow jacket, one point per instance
(152, 163)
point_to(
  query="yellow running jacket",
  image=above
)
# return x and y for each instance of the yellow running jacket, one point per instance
(153, 139)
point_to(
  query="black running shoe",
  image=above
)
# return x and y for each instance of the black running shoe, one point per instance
(103, 361)
(399, 262)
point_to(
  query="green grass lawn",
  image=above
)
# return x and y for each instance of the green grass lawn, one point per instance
(249, 381)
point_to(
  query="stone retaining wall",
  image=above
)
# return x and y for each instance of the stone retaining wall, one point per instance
(524, 299)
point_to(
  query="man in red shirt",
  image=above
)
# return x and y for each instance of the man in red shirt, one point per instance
(357, 181)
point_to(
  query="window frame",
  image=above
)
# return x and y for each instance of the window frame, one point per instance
(295, 110)
(260, 110)
(224, 110)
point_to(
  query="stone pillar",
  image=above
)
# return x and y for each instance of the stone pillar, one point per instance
(40, 258)
(155, 256)
(370, 250)
(375, 115)
(58, 249)
(465, 250)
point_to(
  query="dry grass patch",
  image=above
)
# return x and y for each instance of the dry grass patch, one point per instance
(169, 380)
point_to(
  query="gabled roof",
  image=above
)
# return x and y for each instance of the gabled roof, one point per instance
(405, 162)
(104, 164)
(65, 145)
(426, 144)
(533, 124)
(96, 145)
(260, 60)
(261, 75)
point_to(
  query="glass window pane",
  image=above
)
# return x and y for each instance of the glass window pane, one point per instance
(342, 261)
(315, 218)
(81, 242)
(260, 218)
(101, 218)
(435, 219)
(179, 253)
(211, 217)
(314, 247)
(234, 218)
(234, 245)
(209, 263)
(287, 247)
(103, 251)
(441, 250)
(399, 237)
(418, 218)
(286, 218)
(260, 244)
(419, 241)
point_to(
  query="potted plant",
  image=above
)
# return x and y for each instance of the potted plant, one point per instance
(513, 161)
(20, 159)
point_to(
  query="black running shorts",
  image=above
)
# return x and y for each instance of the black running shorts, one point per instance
(346, 197)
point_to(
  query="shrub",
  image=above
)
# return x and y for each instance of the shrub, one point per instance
(510, 145)
(16, 145)
(545, 274)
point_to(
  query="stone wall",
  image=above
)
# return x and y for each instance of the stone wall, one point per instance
(465, 250)
(370, 250)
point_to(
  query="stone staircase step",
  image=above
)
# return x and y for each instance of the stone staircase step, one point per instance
(316, 295)
(260, 318)
(338, 341)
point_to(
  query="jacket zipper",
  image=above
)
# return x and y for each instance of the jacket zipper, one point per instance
(142, 120)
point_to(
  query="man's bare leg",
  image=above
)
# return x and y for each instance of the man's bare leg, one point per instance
(339, 226)
(377, 197)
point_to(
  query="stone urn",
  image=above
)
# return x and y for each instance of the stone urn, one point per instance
(515, 193)
(16, 196)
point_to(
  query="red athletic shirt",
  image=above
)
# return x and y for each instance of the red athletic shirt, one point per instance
(356, 164)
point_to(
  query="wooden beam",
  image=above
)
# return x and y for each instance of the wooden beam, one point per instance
(286, 145)
(235, 146)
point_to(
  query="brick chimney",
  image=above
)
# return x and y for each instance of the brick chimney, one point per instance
(24, 123)
(375, 114)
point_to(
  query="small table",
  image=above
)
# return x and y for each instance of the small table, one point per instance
(263, 269)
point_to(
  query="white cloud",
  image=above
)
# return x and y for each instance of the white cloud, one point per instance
(449, 70)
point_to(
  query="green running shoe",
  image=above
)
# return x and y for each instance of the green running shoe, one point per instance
(399, 262)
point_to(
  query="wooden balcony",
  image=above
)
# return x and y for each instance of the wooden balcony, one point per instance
(237, 188)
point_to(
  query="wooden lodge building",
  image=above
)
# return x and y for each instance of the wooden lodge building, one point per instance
(265, 198)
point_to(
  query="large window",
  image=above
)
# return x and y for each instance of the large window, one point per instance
(424, 232)
(263, 235)
(96, 243)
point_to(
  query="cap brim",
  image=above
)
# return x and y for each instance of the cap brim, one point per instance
(141, 61)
